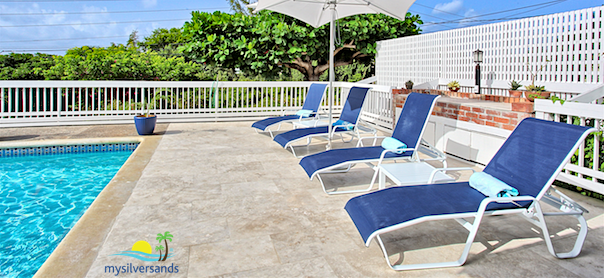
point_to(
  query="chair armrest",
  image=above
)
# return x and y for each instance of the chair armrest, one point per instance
(431, 179)
(399, 151)
(563, 202)
(335, 127)
(310, 117)
(360, 143)
(289, 111)
(488, 200)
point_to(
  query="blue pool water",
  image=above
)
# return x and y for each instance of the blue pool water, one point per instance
(41, 199)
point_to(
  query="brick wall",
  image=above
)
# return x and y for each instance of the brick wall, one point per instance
(478, 111)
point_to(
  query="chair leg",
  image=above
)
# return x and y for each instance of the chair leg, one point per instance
(291, 146)
(344, 141)
(294, 152)
(335, 192)
(473, 228)
(548, 241)
(376, 171)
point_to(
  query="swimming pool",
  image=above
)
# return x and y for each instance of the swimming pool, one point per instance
(41, 199)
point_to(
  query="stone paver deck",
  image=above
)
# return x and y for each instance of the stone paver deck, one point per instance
(238, 205)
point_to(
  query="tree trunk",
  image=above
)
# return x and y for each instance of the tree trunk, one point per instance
(312, 77)
(159, 256)
(313, 73)
(166, 256)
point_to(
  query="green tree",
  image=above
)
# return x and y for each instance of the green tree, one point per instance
(133, 39)
(17, 66)
(119, 62)
(265, 43)
(159, 248)
(165, 237)
(164, 41)
(240, 6)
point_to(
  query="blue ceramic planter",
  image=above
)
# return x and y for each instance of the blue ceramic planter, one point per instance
(145, 125)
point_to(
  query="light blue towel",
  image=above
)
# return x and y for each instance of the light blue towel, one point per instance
(491, 186)
(344, 124)
(390, 143)
(304, 113)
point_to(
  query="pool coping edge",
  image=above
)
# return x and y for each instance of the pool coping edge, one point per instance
(76, 253)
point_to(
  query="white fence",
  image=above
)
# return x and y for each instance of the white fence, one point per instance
(44, 103)
(563, 50)
(586, 169)
(47, 103)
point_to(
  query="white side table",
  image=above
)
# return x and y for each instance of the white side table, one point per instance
(409, 173)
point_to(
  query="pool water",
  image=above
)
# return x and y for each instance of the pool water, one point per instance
(41, 199)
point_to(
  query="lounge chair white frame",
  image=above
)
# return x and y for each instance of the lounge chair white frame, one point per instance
(534, 214)
(300, 119)
(422, 145)
(354, 133)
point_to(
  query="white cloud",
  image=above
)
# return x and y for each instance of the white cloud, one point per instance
(467, 14)
(46, 35)
(149, 3)
(451, 7)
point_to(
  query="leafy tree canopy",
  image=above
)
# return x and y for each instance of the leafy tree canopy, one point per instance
(263, 43)
(164, 41)
(17, 66)
(119, 62)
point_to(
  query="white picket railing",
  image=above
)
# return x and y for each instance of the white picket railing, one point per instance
(47, 103)
(586, 170)
(563, 50)
(43, 103)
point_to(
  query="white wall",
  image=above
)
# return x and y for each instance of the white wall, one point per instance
(572, 41)
(467, 140)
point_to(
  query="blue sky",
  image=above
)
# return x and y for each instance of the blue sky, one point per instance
(53, 26)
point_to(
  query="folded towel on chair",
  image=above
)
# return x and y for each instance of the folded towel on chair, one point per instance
(491, 186)
(344, 124)
(304, 113)
(390, 143)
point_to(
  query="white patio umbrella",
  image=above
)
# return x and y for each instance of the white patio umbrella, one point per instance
(319, 12)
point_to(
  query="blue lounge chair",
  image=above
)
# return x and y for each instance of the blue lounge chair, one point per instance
(311, 103)
(529, 160)
(348, 122)
(409, 130)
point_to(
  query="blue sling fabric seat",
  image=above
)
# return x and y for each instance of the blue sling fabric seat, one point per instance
(409, 130)
(350, 114)
(529, 160)
(311, 103)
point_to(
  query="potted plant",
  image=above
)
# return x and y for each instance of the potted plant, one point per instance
(145, 123)
(514, 89)
(453, 86)
(533, 92)
(409, 85)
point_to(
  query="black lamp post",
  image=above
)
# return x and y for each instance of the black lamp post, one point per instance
(478, 56)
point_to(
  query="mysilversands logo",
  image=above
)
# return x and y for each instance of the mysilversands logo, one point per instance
(142, 250)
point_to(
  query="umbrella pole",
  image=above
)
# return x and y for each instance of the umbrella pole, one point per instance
(331, 72)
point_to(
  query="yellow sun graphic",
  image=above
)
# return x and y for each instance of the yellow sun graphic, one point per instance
(142, 246)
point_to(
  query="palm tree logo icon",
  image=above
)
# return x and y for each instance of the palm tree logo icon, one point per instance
(143, 251)
(159, 248)
(165, 237)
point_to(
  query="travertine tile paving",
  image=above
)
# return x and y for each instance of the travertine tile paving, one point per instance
(239, 205)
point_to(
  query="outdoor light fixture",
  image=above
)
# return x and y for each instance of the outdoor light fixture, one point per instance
(478, 56)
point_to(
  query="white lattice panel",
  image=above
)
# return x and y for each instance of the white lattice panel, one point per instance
(567, 46)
